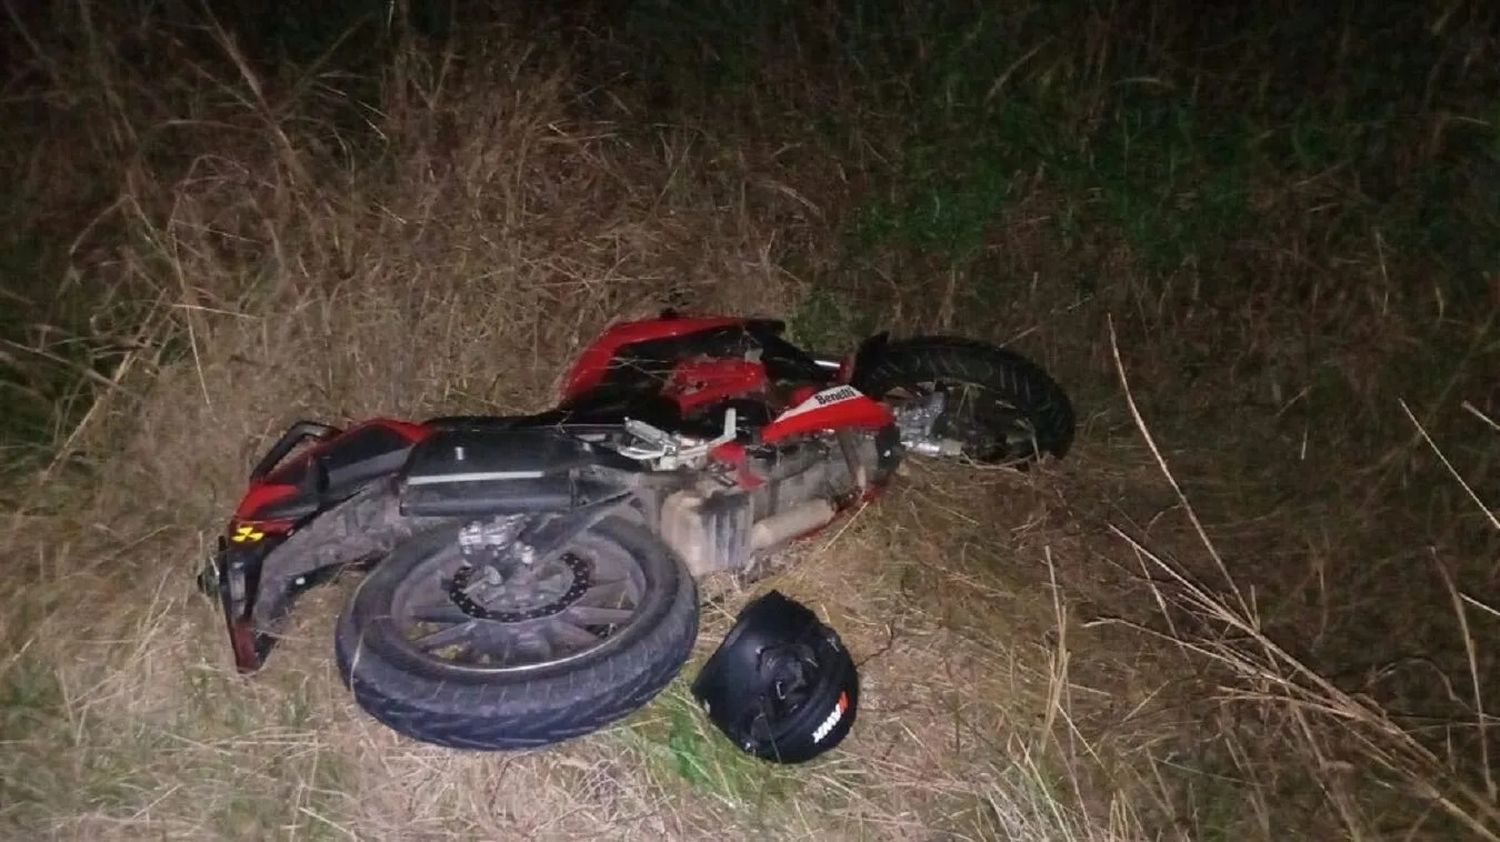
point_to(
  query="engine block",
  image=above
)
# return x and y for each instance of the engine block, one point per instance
(717, 525)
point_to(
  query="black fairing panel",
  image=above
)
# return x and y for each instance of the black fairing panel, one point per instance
(473, 450)
(476, 470)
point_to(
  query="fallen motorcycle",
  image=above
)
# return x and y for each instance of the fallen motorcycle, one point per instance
(532, 578)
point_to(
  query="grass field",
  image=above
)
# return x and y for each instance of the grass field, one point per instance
(1259, 247)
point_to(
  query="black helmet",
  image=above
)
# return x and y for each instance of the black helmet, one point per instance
(781, 686)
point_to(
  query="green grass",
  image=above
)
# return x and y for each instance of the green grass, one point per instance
(682, 750)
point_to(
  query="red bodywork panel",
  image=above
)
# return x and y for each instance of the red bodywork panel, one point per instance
(844, 407)
(280, 485)
(702, 381)
(592, 365)
(260, 495)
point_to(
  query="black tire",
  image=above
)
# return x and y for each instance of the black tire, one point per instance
(459, 708)
(1003, 375)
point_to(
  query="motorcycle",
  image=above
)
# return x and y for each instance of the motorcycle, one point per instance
(533, 578)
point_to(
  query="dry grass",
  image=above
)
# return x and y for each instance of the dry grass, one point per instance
(1063, 655)
(454, 268)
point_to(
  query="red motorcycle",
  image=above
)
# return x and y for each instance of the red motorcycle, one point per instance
(533, 578)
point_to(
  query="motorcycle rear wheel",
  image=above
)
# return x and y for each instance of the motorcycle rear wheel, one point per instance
(1001, 407)
(447, 671)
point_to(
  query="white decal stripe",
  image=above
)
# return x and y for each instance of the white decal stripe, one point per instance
(827, 397)
(478, 476)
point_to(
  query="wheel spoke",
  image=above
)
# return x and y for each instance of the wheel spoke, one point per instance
(571, 636)
(541, 645)
(535, 619)
(591, 615)
(497, 644)
(446, 637)
(446, 613)
(606, 594)
(499, 641)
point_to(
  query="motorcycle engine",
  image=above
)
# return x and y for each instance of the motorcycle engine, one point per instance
(722, 521)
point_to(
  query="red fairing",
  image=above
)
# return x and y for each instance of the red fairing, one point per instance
(830, 409)
(261, 495)
(703, 381)
(274, 488)
(408, 430)
(589, 370)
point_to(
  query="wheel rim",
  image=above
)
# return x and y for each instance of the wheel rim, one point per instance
(478, 617)
(989, 428)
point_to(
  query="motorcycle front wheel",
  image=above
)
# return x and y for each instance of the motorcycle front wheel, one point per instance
(449, 650)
